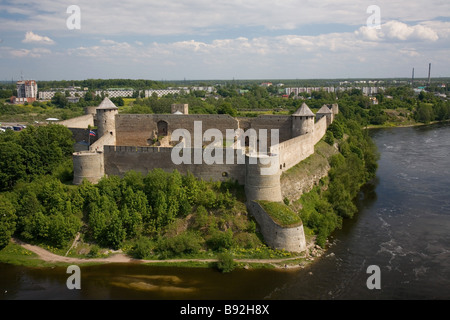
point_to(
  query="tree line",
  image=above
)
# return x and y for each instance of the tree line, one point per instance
(161, 213)
(327, 205)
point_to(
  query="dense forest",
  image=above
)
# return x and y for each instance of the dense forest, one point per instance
(326, 206)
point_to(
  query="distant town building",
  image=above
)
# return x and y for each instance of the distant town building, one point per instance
(74, 92)
(368, 91)
(116, 92)
(207, 89)
(164, 92)
(26, 92)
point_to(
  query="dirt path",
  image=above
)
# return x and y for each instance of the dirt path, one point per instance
(122, 258)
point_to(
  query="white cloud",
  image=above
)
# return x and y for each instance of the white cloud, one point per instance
(31, 37)
(26, 53)
(396, 30)
(251, 38)
(177, 17)
(401, 31)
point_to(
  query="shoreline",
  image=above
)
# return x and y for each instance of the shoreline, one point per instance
(417, 124)
(48, 259)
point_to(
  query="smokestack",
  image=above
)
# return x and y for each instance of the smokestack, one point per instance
(412, 81)
(429, 74)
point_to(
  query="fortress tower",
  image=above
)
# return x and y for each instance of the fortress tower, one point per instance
(106, 118)
(302, 121)
(335, 109)
(325, 112)
(90, 165)
(260, 182)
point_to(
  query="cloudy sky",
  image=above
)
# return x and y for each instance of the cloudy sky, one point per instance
(223, 39)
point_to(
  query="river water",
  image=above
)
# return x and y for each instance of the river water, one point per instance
(403, 227)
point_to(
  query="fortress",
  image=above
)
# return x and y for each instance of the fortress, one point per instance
(142, 143)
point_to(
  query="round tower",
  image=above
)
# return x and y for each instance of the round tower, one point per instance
(89, 166)
(302, 121)
(106, 117)
(262, 177)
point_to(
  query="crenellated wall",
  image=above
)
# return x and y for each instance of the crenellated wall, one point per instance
(121, 159)
(294, 150)
(320, 128)
(136, 130)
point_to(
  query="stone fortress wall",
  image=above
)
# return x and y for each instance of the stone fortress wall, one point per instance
(126, 142)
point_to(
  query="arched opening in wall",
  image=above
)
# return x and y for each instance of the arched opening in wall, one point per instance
(224, 174)
(163, 128)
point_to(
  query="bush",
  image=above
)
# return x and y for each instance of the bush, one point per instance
(185, 243)
(142, 249)
(94, 251)
(225, 262)
(220, 240)
(329, 138)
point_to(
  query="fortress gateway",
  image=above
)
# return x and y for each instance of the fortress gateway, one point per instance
(143, 142)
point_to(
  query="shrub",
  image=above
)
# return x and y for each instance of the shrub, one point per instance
(329, 138)
(220, 240)
(225, 262)
(142, 249)
(94, 251)
(185, 243)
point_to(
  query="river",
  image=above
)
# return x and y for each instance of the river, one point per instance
(403, 227)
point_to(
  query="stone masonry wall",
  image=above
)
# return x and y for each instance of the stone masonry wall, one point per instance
(79, 122)
(135, 130)
(120, 159)
(320, 128)
(291, 239)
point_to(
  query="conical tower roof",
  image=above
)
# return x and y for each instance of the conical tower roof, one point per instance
(304, 111)
(107, 105)
(324, 110)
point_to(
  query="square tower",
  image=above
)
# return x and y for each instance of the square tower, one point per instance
(180, 108)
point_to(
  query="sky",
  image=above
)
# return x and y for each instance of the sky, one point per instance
(223, 39)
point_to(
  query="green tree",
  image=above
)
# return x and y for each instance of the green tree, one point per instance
(424, 113)
(60, 100)
(227, 108)
(7, 220)
(115, 234)
(329, 138)
(12, 165)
